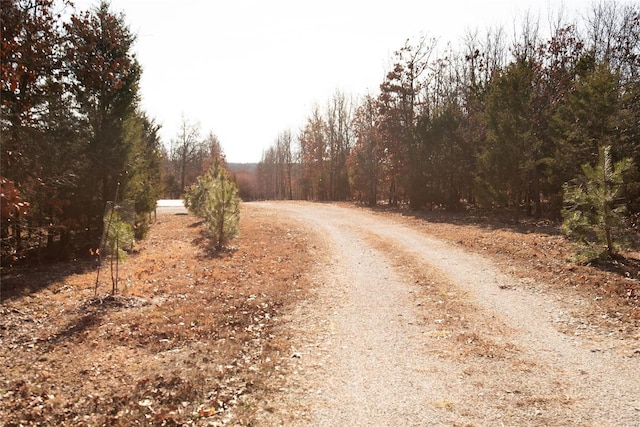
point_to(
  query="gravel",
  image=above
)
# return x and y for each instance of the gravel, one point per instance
(365, 357)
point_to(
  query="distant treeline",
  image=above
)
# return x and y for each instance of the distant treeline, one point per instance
(502, 121)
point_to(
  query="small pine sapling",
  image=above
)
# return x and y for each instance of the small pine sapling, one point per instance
(594, 209)
(214, 197)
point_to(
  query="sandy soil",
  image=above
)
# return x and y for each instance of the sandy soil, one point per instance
(325, 314)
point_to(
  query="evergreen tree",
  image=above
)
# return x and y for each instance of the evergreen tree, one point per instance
(214, 197)
(366, 157)
(144, 182)
(439, 161)
(33, 146)
(508, 159)
(594, 208)
(71, 128)
(104, 80)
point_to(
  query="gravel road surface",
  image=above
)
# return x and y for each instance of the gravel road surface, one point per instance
(372, 346)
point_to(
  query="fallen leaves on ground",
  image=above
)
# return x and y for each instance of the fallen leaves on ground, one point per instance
(191, 340)
(195, 337)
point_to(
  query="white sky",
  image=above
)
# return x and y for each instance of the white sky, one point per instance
(249, 69)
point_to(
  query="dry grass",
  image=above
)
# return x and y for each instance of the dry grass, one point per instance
(194, 339)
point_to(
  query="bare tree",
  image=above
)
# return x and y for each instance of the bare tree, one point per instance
(285, 163)
(339, 136)
(185, 148)
(210, 152)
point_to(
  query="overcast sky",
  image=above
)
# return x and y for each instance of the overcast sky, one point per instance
(249, 69)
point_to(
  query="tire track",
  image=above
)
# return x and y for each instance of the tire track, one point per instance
(368, 360)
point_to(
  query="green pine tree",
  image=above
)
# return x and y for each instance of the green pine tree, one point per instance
(594, 209)
(119, 236)
(214, 197)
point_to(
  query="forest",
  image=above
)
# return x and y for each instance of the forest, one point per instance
(74, 135)
(498, 121)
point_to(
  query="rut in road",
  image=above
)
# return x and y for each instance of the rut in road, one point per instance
(368, 358)
(375, 343)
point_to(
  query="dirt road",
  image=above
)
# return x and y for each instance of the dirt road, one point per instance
(326, 315)
(404, 329)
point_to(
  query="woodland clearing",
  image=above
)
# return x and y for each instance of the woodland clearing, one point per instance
(327, 314)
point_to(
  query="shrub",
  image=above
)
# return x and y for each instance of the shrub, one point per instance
(119, 236)
(594, 212)
(214, 197)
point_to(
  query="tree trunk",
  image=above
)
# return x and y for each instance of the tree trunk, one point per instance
(18, 233)
(290, 183)
(183, 173)
(536, 194)
(607, 227)
(50, 236)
